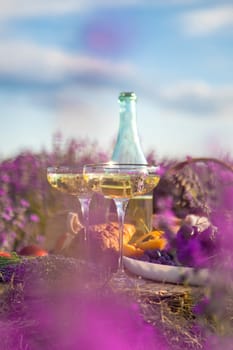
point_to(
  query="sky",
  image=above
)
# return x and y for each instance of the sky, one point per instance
(64, 63)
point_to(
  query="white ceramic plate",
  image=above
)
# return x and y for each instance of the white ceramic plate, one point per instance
(166, 273)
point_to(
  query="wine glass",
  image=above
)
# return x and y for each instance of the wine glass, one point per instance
(121, 182)
(69, 179)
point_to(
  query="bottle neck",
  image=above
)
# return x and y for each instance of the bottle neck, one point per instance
(128, 120)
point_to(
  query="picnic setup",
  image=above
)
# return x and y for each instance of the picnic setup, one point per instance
(118, 251)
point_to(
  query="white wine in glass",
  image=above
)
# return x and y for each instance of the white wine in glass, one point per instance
(121, 182)
(69, 180)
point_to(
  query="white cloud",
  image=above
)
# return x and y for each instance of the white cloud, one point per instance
(28, 61)
(198, 99)
(85, 112)
(207, 21)
(11, 9)
(27, 8)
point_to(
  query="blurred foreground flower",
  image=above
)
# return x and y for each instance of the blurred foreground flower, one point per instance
(56, 311)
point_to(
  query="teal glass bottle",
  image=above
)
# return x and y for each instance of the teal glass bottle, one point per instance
(128, 150)
(128, 147)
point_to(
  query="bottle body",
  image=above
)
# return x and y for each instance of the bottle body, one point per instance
(128, 150)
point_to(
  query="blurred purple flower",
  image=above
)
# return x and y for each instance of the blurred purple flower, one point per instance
(200, 308)
(3, 238)
(24, 203)
(5, 178)
(194, 248)
(87, 320)
(8, 214)
(2, 192)
(40, 239)
(34, 218)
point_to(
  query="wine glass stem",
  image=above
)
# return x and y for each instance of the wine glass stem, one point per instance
(121, 205)
(85, 203)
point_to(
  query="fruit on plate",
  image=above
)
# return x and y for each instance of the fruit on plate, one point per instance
(149, 241)
(33, 250)
(104, 240)
(157, 256)
(152, 240)
(103, 244)
(131, 250)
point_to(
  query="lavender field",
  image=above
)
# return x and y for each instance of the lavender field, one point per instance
(197, 318)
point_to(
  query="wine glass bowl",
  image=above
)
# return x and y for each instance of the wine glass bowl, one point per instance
(115, 180)
(121, 182)
(70, 180)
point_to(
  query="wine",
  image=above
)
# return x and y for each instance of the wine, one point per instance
(139, 213)
(70, 180)
(73, 184)
(122, 185)
(116, 186)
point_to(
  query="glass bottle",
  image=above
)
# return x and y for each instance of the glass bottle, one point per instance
(128, 147)
(128, 150)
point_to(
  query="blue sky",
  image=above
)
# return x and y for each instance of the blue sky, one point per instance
(63, 64)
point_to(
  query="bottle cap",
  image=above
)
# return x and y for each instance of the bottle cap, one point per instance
(129, 95)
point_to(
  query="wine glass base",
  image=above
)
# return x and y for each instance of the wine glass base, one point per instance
(121, 281)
